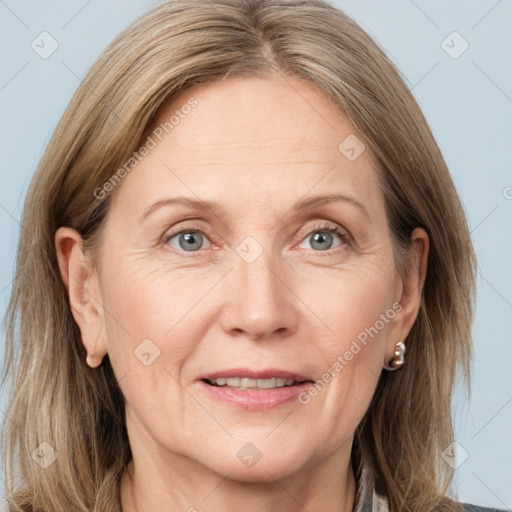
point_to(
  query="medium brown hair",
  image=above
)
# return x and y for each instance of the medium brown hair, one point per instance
(79, 411)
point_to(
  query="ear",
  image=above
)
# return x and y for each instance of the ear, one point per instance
(81, 281)
(411, 288)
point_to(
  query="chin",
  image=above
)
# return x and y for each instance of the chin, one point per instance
(258, 463)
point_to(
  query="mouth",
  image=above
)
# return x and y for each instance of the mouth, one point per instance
(245, 383)
(254, 390)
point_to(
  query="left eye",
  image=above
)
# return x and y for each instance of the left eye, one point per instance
(322, 237)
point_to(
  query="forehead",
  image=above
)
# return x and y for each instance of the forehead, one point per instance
(255, 113)
(250, 138)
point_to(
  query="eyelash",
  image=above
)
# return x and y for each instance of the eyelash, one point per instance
(325, 227)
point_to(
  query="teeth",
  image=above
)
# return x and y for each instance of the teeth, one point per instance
(247, 383)
(266, 383)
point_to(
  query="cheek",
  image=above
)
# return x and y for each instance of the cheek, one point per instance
(355, 303)
(148, 341)
(357, 312)
(150, 303)
(154, 319)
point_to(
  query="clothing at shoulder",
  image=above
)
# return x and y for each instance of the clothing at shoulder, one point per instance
(476, 508)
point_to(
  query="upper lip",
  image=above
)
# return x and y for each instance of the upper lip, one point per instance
(268, 373)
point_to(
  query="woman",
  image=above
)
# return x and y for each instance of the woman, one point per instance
(180, 345)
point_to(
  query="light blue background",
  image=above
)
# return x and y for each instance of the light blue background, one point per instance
(467, 101)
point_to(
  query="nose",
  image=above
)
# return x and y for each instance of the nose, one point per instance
(258, 301)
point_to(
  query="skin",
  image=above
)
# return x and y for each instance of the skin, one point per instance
(255, 146)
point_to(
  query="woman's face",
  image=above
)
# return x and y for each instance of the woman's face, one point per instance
(266, 280)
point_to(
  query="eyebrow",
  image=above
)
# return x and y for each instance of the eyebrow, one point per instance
(216, 208)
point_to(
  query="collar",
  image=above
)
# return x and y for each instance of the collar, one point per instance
(370, 494)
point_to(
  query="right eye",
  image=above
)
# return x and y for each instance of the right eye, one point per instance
(188, 240)
(189, 237)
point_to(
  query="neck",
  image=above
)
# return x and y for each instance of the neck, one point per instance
(185, 485)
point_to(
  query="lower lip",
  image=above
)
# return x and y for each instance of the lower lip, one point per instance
(254, 399)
